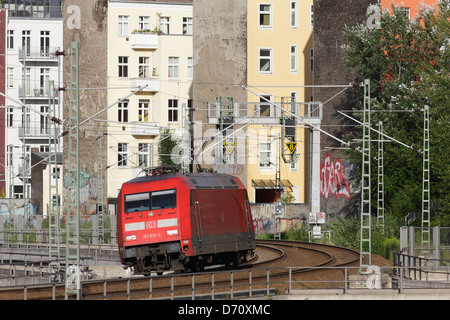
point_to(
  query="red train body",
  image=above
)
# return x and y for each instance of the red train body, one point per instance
(180, 221)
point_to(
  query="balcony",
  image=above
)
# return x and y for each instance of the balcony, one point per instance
(141, 128)
(144, 41)
(264, 113)
(151, 83)
(38, 94)
(35, 134)
(43, 54)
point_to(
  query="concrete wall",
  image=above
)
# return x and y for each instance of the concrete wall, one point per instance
(85, 21)
(330, 19)
(220, 62)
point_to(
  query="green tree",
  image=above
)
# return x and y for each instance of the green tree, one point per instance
(408, 64)
(166, 146)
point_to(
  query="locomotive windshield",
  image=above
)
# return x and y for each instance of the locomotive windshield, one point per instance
(150, 201)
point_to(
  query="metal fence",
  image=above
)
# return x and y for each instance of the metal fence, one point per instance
(244, 284)
(34, 229)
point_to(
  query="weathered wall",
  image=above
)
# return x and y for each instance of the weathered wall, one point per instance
(339, 190)
(85, 21)
(220, 60)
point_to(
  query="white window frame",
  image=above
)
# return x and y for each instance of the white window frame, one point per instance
(122, 155)
(123, 67)
(143, 155)
(143, 108)
(188, 26)
(10, 77)
(164, 25)
(294, 14)
(144, 67)
(190, 68)
(311, 16)
(144, 23)
(293, 57)
(173, 67)
(122, 113)
(123, 26)
(311, 61)
(270, 71)
(261, 12)
(262, 102)
(10, 40)
(262, 148)
(172, 107)
(10, 116)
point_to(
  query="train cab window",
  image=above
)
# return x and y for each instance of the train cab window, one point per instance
(137, 202)
(164, 199)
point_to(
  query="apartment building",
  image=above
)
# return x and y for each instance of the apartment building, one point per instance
(149, 47)
(33, 36)
(265, 47)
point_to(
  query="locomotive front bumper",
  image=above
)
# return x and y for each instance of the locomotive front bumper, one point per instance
(146, 250)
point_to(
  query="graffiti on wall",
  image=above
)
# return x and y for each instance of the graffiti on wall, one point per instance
(332, 179)
(88, 185)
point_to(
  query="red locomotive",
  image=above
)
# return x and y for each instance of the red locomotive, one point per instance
(177, 221)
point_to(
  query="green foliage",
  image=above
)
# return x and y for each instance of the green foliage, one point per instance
(408, 64)
(165, 148)
(345, 232)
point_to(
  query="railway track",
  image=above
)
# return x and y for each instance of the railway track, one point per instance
(267, 271)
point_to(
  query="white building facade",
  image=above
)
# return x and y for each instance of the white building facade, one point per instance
(149, 46)
(34, 35)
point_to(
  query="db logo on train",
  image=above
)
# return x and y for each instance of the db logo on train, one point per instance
(150, 224)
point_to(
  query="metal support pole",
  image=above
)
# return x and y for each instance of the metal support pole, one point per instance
(73, 283)
(426, 180)
(380, 191)
(366, 232)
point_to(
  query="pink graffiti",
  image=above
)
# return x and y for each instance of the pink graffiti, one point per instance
(332, 179)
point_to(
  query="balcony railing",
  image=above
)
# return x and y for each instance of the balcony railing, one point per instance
(38, 53)
(262, 112)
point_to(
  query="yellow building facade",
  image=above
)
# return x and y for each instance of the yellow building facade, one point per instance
(280, 65)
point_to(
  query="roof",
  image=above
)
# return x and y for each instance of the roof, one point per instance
(199, 180)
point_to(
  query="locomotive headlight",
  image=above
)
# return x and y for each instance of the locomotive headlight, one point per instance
(172, 232)
(132, 237)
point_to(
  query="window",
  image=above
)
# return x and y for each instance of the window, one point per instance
(265, 15)
(407, 12)
(265, 60)
(311, 61)
(10, 78)
(187, 26)
(122, 155)
(9, 157)
(26, 42)
(144, 67)
(44, 81)
(45, 43)
(294, 59)
(123, 67)
(143, 110)
(10, 39)
(143, 155)
(164, 25)
(44, 121)
(152, 201)
(123, 25)
(294, 14)
(144, 23)
(122, 115)
(44, 148)
(173, 110)
(173, 67)
(311, 17)
(10, 116)
(264, 155)
(27, 80)
(265, 107)
(190, 66)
